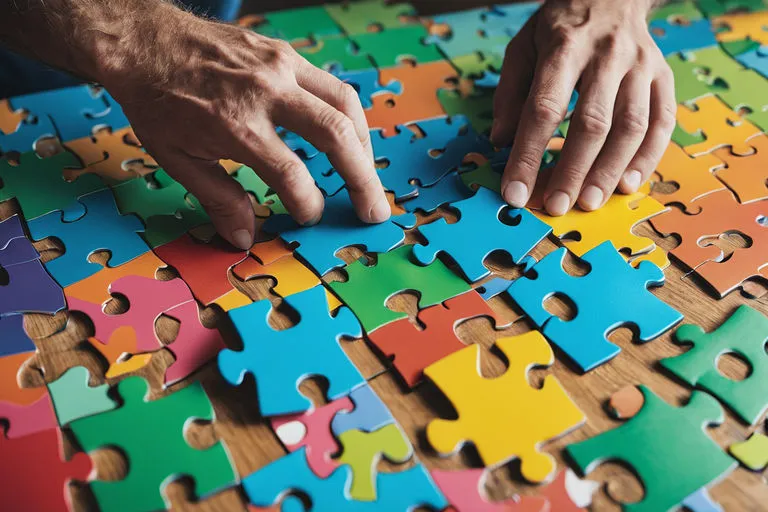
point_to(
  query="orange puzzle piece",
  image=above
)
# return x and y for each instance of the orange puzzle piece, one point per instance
(693, 176)
(418, 99)
(10, 391)
(720, 126)
(9, 119)
(106, 153)
(743, 25)
(746, 176)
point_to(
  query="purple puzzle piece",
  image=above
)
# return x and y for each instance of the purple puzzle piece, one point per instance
(14, 245)
(13, 337)
(30, 289)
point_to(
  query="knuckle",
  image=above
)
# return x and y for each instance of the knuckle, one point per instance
(529, 161)
(571, 177)
(667, 117)
(563, 37)
(347, 95)
(634, 121)
(279, 54)
(546, 109)
(338, 126)
(291, 174)
(594, 121)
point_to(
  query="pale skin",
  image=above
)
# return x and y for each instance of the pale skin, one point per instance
(196, 91)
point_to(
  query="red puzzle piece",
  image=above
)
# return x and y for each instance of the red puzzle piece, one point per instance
(24, 420)
(34, 474)
(194, 345)
(463, 490)
(415, 349)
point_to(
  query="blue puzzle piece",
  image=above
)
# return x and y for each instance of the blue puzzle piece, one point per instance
(756, 59)
(508, 19)
(494, 287)
(119, 234)
(369, 413)
(29, 131)
(339, 227)
(30, 289)
(700, 501)
(672, 38)
(467, 34)
(297, 144)
(366, 83)
(325, 176)
(75, 111)
(15, 247)
(611, 295)
(481, 231)
(402, 491)
(409, 157)
(14, 339)
(281, 360)
(447, 190)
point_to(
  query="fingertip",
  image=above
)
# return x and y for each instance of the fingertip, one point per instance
(558, 203)
(630, 181)
(591, 198)
(242, 239)
(379, 212)
(516, 194)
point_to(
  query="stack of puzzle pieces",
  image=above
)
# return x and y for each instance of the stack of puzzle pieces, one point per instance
(127, 324)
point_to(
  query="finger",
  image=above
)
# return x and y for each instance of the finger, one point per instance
(339, 95)
(225, 201)
(514, 84)
(661, 124)
(590, 125)
(554, 80)
(333, 133)
(630, 124)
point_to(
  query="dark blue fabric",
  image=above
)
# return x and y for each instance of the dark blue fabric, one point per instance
(20, 75)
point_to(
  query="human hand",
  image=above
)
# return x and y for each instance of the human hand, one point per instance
(197, 91)
(624, 117)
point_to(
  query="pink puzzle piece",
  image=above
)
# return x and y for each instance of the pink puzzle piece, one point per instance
(313, 430)
(463, 490)
(28, 419)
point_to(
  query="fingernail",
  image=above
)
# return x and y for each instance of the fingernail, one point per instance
(558, 203)
(380, 211)
(591, 198)
(312, 221)
(516, 194)
(242, 239)
(631, 180)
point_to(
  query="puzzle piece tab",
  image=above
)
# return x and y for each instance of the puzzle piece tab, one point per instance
(692, 176)
(719, 125)
(504, 417)
(753, 452)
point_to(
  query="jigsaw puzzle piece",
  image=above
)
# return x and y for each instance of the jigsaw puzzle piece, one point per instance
(302, 23)
(150, 434)
(744, 333)
(28, 419)
(461, 33)
(693, 176)
(363, 451)
(682, 11)
(118, 234)
(75, 111)
(511, 230)
(14, 339)
(341, 225)
(10, 119)
(752, 453)
(406, 490)
(494, 287)
(367, 15)
(336, 54)
(30, 289)
(754, 58)
(412, 349)
(742, 25)
(671, 467)
(290, 275)
(368, 287)
(35, 474)
(24, 135)
(679, 37)
(746, 176)
(421, 84)
(611, 295)
(449, 189)
(464, 491)
(11, 391)
(509, 18)
(369, 413)
(477, 106)
(391, 47)
(74, 398)
(314, 342)
(312, 431)
(528, 417)
(719, 125)
(15, 247)
(39, 186)
(367, 84)
(712, 8)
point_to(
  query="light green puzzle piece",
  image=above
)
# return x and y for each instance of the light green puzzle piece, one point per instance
(753, 452)
(73, 398)
(676, 11)
(744, 333)
(390, 47)
(359, 17)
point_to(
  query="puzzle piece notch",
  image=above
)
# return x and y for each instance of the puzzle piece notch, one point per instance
(515, 430)
(73, 397)
(369, 413)
(720, 126)
(367, 84)
(693, 176)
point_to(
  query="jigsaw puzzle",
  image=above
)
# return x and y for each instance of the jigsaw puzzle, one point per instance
(391, 47)
(719, 126)
(73, 397)
(367, 15)
(23, 134)
(369, 413)
(692, 177)
(27, 419)
(746, 176)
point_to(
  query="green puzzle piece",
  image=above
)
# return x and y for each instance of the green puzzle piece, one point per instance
(73, 398)
(261, 191)
(744, 333)
(335, 53)
(151, 436)
(368, 288)
(483, 176)
(477, 107)
(666, 446)
(736, 48)
(358, 17)
(693, 77)
(38, 185)
(676, 10)
(683, 138)
(712, 8)
(475, 65)
(390, 47)
(302, 23)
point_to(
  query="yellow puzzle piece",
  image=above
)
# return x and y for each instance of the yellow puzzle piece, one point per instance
(363, 451)
(720, 126)
(748, 25)
(505, 417)
(613, 222)
(753, 452)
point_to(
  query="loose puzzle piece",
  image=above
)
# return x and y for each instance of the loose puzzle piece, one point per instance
(29, 289)
(720, 214)
(421, 85)
(753, 452)
(611, 295)
(746, 176)
(613, 222)
(413, 349)
(24, 135)
(118, 234)
(362, 17)
(369, 287)
(511, 230)
(367, 84)
(754, 58)
(362, 451)
(389, 48)
(680, 37)
(35, 474)
(369, 413)
(744, 333)
(719, 125)
(10, 119)
(302, 23)
(700, 501)
(314, 343)
(15, 339)
(34, 174)
(75, 111)
(464, 491)
(671, 466)
(74, 398)
(738, 26)
(150, 434)
(336, 54)
(25, 420)
(692, 176)
(312, 430)
(528, 417)
(341, 227)
(288, 475)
